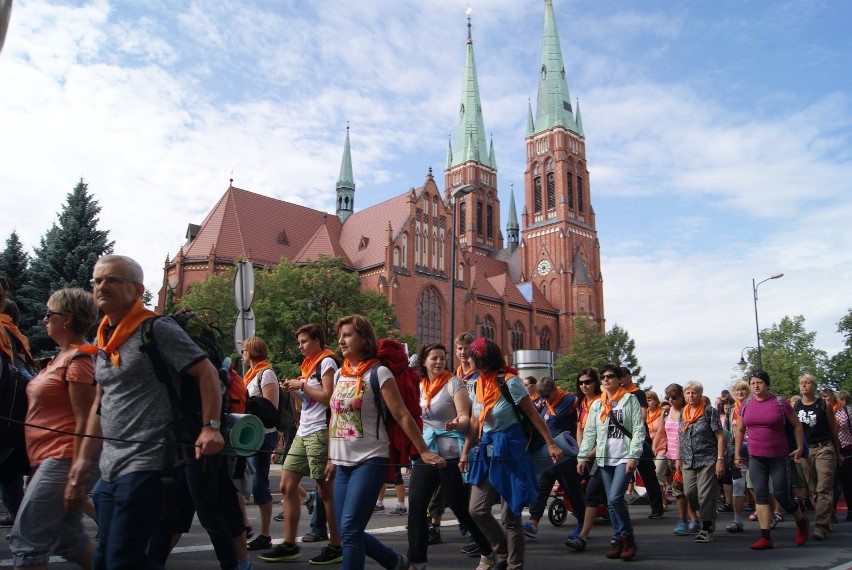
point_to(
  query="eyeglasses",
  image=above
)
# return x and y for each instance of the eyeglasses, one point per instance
(109, 280)
(50, 313)
(585, 382)
(609, 376)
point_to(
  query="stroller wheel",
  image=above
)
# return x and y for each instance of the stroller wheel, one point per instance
(557, 513)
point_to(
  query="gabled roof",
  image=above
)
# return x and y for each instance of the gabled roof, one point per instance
(264, 229)
(580, 270)
(372, 224)
(326, 241)
(507, 290)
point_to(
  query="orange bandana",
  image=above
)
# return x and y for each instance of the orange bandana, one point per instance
(587, 406)
(632, 388)
(255, 370)
(7, 327)
(122, 331)
(690, 414)
(309, 364)
(487, 394)
(837, 405)
(558, 394)
(431, 389)
(464, 376)
(358, 372)
(608, 401)
(652, 417)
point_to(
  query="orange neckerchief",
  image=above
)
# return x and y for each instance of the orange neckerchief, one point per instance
(608, 401)
(8, 327)
(691, 414)
(309, 364)
(558, 394)
(630, 389)
(431, 389)
(120, 333)
(587, 406)
(651, 417)
(358, 372)
(487, 394)
(464, 376)
(255, 370)
(837, 406)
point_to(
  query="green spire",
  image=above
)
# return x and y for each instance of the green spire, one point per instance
(449, 152)
(512, 228)
(491, 158)
(579, 121)
(470, 131)
(345, 183)
(530, 122)
(553, 106)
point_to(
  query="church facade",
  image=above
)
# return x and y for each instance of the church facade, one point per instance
(523, 291)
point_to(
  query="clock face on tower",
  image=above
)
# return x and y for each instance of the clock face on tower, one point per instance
(543, 267)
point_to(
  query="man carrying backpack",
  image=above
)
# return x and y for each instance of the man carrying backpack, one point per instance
(131, 410)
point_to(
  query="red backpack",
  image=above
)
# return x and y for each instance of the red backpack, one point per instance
(402, 451)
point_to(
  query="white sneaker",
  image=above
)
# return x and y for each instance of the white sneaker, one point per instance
(486, 562)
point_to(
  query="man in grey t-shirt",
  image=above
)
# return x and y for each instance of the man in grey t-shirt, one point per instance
(132, 406)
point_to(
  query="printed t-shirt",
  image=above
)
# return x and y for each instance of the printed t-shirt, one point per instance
(502, 415)
(355, 420)
(313, 413)
(50, 406)
(616, 450)
(441, 410)
(764, 422)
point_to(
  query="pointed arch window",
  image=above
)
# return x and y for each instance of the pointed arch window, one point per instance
(537, 194)
(441, 247)
(486, 329)
(429, 311)
(434, 249)
(580, 194)
(479, 218)
(570, 189)
(462, 218)
(517, 336)
(544, 339)
(489, 221)
(551, 186)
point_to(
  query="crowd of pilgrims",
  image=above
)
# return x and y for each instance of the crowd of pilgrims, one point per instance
(750, 453)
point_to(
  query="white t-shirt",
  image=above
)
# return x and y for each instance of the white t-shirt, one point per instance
(616, 450)
(312, 419)
(441, 410)
(267, 377)
(355, 433)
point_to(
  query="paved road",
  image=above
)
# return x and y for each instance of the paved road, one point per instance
(658, 547)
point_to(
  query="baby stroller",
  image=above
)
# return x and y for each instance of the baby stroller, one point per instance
(560, 506)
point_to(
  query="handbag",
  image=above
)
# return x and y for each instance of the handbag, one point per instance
(844, 434)
(265, 410)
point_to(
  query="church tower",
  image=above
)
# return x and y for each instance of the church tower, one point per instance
(345, 184)
(561, 252)
(471, 163)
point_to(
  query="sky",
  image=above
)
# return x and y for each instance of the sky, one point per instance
(718, 135)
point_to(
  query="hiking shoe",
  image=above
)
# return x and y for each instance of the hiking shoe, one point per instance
(328, 555)
(725, 508)
(398, 511)
(693, 527)
(282, 553)
(681, 528)
(311, 501)
(471, 549)
(260, 543)
(735, 527)
(762, 544)
(530, 530)
(279, 517)
(578, 543)
(802, 532)
(434, 535)
(486, 562)
(704, 536)
(311, 537)
(379, 507)
(820, 534)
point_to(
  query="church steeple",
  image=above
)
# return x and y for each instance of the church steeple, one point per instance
(512, 228)
(345, 184)
(553, 106)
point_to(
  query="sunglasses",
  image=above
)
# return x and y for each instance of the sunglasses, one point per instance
(669, 398)
(585, 382)
(608, 376)
(50, 313)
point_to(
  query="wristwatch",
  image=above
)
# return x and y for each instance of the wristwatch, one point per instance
(212, 424)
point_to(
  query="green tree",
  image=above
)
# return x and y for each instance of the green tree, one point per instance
(588, 350)
(840, 365)
(621, 349)
(787, 352)
(214, 300)
(14, 264)
(65, 257)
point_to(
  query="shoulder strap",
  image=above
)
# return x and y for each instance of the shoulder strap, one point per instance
(666, 414)
(377, 397)
(618, 425)
(149, 346)
(507, 394)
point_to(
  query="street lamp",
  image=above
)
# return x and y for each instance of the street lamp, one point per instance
(754, 287)
(455, 194)
(742, 363)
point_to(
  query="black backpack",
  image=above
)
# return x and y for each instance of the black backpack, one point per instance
(15, 374)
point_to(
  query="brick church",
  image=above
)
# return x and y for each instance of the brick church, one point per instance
(523, 291)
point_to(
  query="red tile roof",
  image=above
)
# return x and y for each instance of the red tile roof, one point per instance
(372, 223)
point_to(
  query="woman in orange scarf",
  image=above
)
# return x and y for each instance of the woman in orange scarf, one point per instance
(359, 447)
(740, 392)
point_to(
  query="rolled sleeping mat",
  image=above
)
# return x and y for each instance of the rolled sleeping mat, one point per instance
(243, 434)
(541, 458)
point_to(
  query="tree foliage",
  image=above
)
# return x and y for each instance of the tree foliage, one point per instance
(840, 365)
(14, 263)
(65, 257)
(621, 349)
(787, 352)
(591, 348)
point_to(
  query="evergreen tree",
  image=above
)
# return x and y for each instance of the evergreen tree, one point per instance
(65, 257)
(14, 263)
(840, 365)
(621, 350)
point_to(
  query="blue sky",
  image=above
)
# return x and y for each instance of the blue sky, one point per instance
(718, 135)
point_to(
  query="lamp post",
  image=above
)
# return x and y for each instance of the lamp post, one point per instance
(455, 194)
(742, 363)
(754, 287)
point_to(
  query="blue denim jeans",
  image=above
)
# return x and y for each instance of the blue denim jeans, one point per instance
(615, 483)
(356, 489)
(128, 510)
(260, 462)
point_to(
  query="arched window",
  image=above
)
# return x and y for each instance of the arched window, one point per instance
(579, 194)
(517, 336)
(570, 179)
(434, 249)
(581, 303)
(441, 247)
(435, 206)
(544, 340)
(404, 253)
(396, 257)
(487, 328)
(551, 186)
(428, 317)
(479, 218)
(489, 221)
(424, 238)
(462, 218)
(417, 243)
(537, 191)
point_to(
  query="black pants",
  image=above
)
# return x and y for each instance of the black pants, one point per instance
(424, 480)
(648, 471)
(569, 480)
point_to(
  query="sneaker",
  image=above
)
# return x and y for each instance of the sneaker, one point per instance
(530, 530)
(735, 527)
(404, 563)
(778, 517)
(434, 535)
(379, 507)
(802, 533)
(704, 536)
(260, 543)
(471, 549)
(311, 501)
(486, 562)
(328, 555)
(657, 514)
(762, 544)
(578, 543)
(693, 527)
(311, 537)
(279, 517)
(398, 510)
(725, 508)
(577, 530)
(281, 553)
(820, 534)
